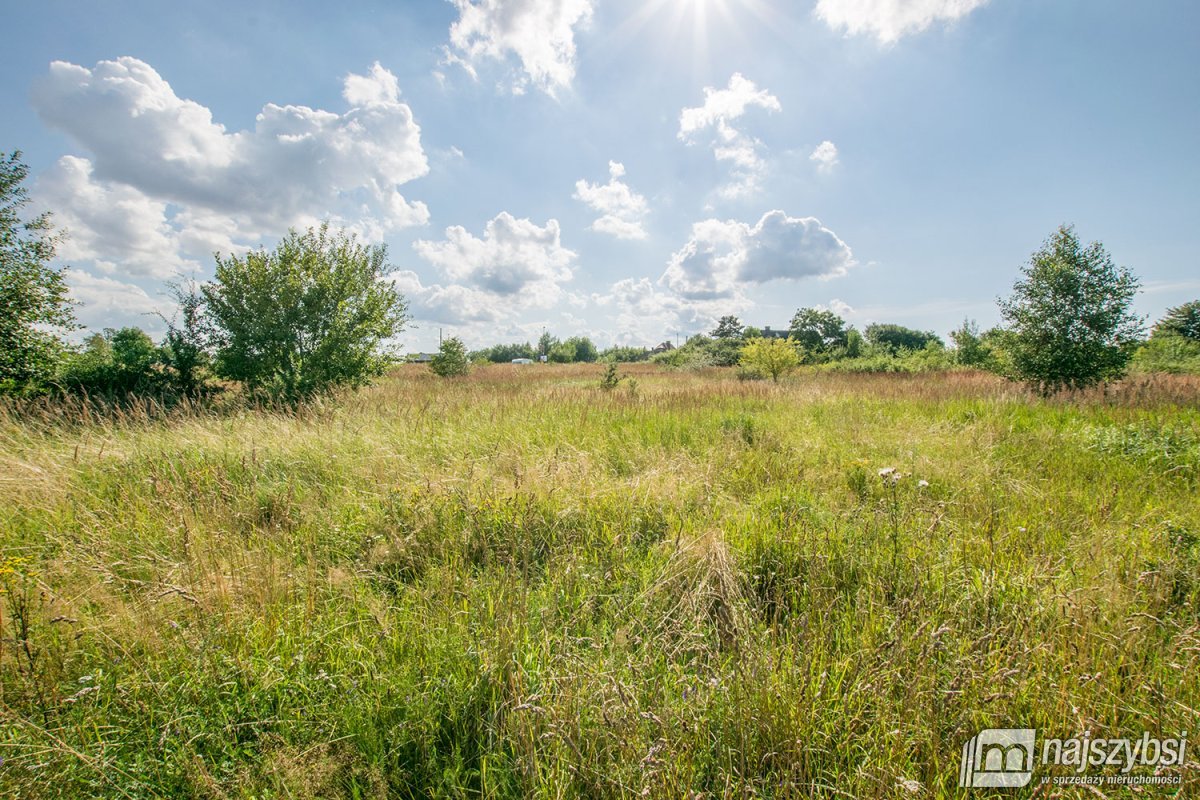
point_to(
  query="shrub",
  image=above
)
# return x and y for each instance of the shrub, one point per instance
(772, 357)
(115, 364)
(1168, 353)
(451, 359)
(897, 337)
(306, 317)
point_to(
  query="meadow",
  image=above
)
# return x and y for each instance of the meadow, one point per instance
(518, 584)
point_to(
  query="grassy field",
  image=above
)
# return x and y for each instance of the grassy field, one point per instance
(520, 585)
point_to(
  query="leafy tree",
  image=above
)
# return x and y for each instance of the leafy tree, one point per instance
(729, 327)
(504, 353)
(185, 347)
(1168, 353)
(451, 359)
(116, 364)
(1182, 321)
(561, 353)
(773, 357)
(1069, 318)
(310, 315)
(576, 349)
(619, 354)
(897, 337)
(585, 350)
(970, 349)
(854, 343)
(724, 352)
(33, 295)
(546, 344)
(818, 331)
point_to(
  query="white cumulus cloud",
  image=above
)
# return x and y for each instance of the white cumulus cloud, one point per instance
(721, 109)
(723, 256)
(106, 302)
(825, 155)
(889, 20)
(539, 33)
(162, 185)
(516, 265)
(113, 225)
(621, 209)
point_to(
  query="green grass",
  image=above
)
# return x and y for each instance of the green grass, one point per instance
(520, 585)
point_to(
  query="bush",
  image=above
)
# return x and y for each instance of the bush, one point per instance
(897, 337)
(1168, 353)
(624, 355)
(504, 353)
(309, 316)
(116, 364)
(771, 357)
(931, 358)
(611, 379)
(451, 359)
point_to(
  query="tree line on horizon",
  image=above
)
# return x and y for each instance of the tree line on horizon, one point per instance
(315, 313)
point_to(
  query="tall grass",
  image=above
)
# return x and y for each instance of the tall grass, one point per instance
(521, 585)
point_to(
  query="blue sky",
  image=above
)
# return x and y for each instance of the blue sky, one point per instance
(625, 170)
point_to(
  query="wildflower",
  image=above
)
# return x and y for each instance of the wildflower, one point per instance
(887, 472)
(922, 484)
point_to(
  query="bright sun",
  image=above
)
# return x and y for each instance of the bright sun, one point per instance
(698, 25)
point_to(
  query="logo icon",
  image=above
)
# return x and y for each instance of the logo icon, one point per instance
(998, 758)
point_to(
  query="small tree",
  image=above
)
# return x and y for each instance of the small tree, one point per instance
(310, 315)
(185, 347)
(969, 347)
(33, 295)
(1069, 318)
(546, 343)
(611, 377)
(728, 327)
(451, 360)
(773, 357)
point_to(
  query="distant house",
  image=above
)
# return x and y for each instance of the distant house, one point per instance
(522, 361)
(771, 333)
(662, 348)
(419, 358)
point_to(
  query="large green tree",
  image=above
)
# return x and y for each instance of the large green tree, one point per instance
(817, 330)
(1069, 319)
(34, 301)
(310, 315)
